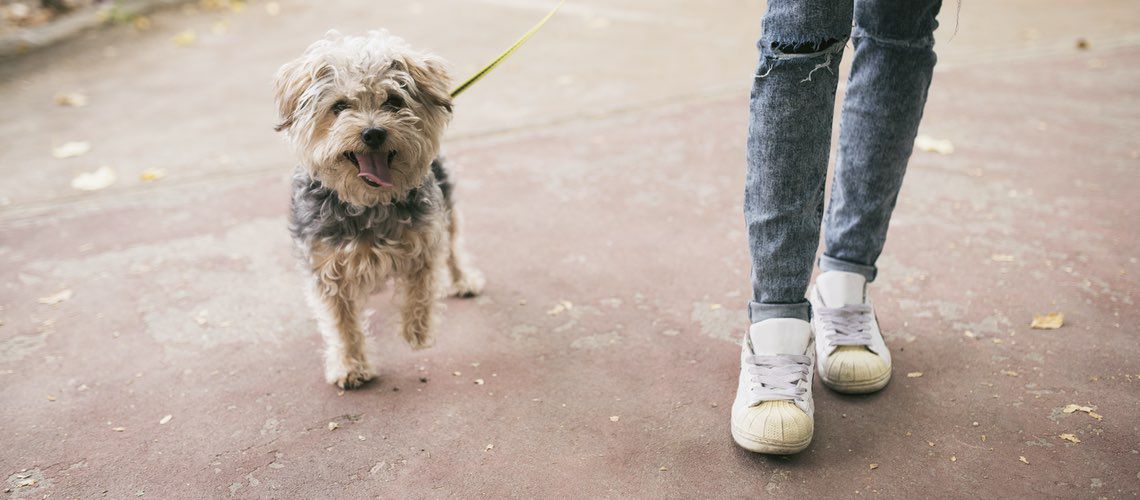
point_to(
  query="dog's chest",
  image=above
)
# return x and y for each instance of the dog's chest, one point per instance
(385, 239)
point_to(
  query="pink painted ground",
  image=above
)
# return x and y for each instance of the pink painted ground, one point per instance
(602, 166)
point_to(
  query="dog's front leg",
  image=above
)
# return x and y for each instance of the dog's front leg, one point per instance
(337, 306)
(418, 290)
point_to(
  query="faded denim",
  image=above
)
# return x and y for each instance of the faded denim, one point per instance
(789, 138)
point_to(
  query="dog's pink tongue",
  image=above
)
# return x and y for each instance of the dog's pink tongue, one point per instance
(374, 167)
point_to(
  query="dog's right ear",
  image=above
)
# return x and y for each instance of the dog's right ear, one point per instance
(294, 84)
(288, 87)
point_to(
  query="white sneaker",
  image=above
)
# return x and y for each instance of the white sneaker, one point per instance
(773, 410)
(852, 355)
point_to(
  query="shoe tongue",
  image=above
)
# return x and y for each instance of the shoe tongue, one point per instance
(838, 288)
(780, 336)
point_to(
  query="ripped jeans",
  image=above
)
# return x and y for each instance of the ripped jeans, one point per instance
(789, 138)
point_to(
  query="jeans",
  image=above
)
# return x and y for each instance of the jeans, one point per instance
(789, 138)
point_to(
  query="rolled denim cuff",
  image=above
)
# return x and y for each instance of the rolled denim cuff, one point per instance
(832, 264)
(758, 312)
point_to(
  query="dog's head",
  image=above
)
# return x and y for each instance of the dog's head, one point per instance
(364, 114)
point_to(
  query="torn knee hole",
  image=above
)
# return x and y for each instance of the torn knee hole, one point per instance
(805, 48)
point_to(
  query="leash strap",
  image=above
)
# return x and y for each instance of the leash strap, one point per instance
(506, 53)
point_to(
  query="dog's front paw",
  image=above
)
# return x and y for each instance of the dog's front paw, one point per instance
(348, 374)
(418, 335)
(469, 285)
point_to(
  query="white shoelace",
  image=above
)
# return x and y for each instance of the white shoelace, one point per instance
(847, 325)
(776, 377)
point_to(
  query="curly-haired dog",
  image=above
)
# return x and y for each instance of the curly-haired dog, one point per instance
(371, 196)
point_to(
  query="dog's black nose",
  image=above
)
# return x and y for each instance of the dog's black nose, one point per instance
(374, 137)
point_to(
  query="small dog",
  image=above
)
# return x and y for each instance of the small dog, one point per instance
(372, 200)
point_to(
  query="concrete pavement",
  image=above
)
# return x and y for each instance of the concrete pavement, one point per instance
(600, 167)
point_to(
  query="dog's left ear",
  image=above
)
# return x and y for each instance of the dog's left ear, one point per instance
(432, 79)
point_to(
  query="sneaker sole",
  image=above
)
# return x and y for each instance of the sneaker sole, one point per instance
(768, 448)
(861, 387)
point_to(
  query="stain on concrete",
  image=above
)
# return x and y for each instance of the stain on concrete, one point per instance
(612, 302)
(27, 481)
(1042, 442)
(597, 341)
(519, 332)
(20, 346)
(719, 322)
(203, 307)
(992, 324)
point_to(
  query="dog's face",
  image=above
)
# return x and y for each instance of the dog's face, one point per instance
(364, 114)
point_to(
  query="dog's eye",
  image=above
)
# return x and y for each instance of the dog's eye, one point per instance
(339, 106)
(394, 102)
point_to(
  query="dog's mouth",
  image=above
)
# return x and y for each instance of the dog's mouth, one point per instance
(374, 167)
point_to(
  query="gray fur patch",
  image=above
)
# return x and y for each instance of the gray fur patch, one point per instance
(318, 214)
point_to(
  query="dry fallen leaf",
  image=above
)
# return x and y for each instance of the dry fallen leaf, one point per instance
(615, 418)
(489, 447)
(1072, 438)
(479, 381)
(333, 426)
(72, 99)
(71, 149)
(50, 397)
(1001, 257)
(93, 181)
(1070, 408)
(970, 334)
(57, 297)
(953, 458)
(184, 39)
(563, 305)
(1023, 460)
(932, 145)
(713, 307)
(1010, 373)
(152, 174)
(165, 420)
(118, 429)
(914, 375)
(1051, 321)
(874, 466)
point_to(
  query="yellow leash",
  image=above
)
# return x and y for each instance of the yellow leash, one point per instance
(510, 50)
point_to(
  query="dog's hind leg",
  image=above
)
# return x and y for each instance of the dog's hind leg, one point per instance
(418, 292)
(466, 280)
(337, 306)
